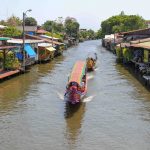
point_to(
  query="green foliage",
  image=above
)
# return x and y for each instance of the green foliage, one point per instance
(127, 54)
(55, 26)
(56, 35)
(11, 32)
(87, 35)
(48, 25)
(98, 34)
(83, 34)
(30, 21)
(58, 27)
(122, 23)
(11, 21)
(72, 27)
(91, 34)
(118, 52)
(11, 62)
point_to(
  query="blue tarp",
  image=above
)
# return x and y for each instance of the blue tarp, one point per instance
(19, 56)
(29, 50)
(31, 33)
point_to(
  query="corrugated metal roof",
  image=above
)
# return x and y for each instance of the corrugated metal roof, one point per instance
(49, 37)
(41, 31)
(123, 45)
(20, 41)
(2, 27)
(139, 31)
(44, 44)
(44, 39)
(140, 41)
(4, 38)
(145, 45)
(8, 47)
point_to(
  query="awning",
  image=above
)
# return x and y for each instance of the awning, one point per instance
(29, 50)
(50, 49)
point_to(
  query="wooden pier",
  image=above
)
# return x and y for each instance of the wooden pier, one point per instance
(7, 74)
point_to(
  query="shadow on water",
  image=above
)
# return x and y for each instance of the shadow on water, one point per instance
(140, 93)
(17, 90)
(74, 119)
(140, 89)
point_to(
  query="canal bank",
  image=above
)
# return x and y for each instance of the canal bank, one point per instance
(115, 114)
(132, 50)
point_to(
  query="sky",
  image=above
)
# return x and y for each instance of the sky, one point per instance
(89, 13)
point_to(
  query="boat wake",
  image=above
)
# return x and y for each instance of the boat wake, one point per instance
(85, 100)
(89, 77)
(88, 99)
(60, 95)
(96, 69)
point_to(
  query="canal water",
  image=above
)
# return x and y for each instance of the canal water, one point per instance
(115, 115)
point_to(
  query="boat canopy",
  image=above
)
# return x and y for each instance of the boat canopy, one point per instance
(29, 50)
(78, 72)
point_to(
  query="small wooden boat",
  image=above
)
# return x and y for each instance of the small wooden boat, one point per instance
(91, 61)
(77, 84)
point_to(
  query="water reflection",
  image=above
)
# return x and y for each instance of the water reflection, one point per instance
(140, 93)
(19, 88)
(74, 117)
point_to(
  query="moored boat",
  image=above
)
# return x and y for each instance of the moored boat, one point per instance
(91, 61)
(76, 88)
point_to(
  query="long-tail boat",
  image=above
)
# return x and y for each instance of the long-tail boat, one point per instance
(91, 61)
(76, 88)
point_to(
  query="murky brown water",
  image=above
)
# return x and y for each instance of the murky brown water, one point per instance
(114, 116)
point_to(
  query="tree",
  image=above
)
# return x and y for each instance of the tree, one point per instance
(13, 21)
(48, 25)
(122, 13)
(56, 25)
(72, 27)
(122, 23)
(30, 21)
(3, 22)
(11, 32)
(91, 34)
(99, 34)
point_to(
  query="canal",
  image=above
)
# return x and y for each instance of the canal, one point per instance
(115, 115)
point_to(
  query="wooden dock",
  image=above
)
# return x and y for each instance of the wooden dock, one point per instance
(7, 74)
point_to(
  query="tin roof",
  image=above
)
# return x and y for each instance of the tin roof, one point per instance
(20, 41)
(44, 44)
(145, 45)
(49, 37)
(140, 41)
(8, 47)
(123, 45)
(41, 31)
(2, 27)
(44, 39)
(137, 32)
(4, 38)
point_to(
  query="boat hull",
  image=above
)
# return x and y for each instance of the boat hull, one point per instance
(91, 66)
(75, 97)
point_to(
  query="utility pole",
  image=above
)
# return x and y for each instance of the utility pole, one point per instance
(24, 14)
